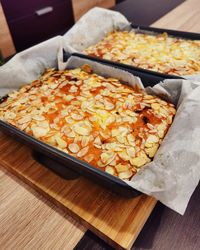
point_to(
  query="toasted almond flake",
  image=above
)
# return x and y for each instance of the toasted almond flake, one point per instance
(64, 112)
(104, 135)
(51, 140)
(83, 152)
(121, 168)
(101, 164)
(124, 156)
(151, 151)
(130, 113)
(169, 119)
(125, 175)
(68, 97)
(131, 152)
(85, 140)
(172, 110)
(110, 170)
(73, 147)
(121, 139)
(81, 130)
(53, 85)
(150, 126)
(39, 131)
(123, 131)
(25, 119)
(38, 117)
(138, 161)
(61, 143)
(24, 126)
(107, 157)
(76, 117)
(155, 106)
(115, 132)
(109, 106)
(10, 115)
(97, 141)
(89, 158)
(69, 120)
(110, 120)
(152, 139)
(97, 146)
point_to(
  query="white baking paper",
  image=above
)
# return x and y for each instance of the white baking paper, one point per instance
(175, 171)
(93, 26)
(29, 64)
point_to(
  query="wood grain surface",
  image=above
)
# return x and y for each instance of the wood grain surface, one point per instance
(32, 222)
(81, 7)
(116, 219)
(6, 44)
(185, 17)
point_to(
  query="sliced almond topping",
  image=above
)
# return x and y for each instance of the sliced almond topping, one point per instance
(61, 143)
(71, 134)
(169, 119)
(155, 106)
(104, 135)
(138, 161)
(101, 164)
(110, 170)
(39, 131)
(125, 175)
(81, 130)
(83, 152)
(121, 139)
(151, 151)
(115, 132)
(97, 141)
(85, 140)
(89, 158)
(109, 106)
(73, 147)
(124, 156)
(68, 97)
(38, 117)
(131, 139)
(73, 89)
(69, 120)
(150, 126)
(152, 139)
(121, 168)
(25, 119)
(10, 115)
(131, 152)
(51, 140)
(172, 110)
(107, 157)
(76, 117)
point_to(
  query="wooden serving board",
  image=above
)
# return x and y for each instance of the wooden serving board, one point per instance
(115, 219)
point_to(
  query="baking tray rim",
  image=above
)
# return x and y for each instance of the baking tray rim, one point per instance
(175, 33)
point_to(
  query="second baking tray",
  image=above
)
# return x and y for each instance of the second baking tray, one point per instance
(68, 166)
(151, 30)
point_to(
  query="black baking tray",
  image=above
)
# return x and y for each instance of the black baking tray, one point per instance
(68, 166)
(141, 28)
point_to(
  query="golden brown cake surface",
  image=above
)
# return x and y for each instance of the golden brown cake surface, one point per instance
(99, 120)
(161, 53)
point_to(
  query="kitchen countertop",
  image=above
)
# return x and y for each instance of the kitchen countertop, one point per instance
(29, 221)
